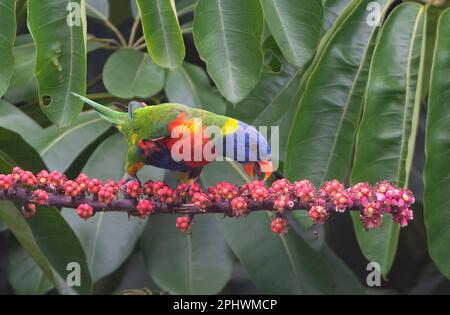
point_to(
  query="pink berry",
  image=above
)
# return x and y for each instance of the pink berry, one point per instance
(239, 206)
(226, 190)
(71, 188)
(56, 179)
(201, 201)
(16, 174)
(82, 180)
(106, 194)
(280, 187)
(27, 179)
(40, 196)
(148, 188)
(133, 189)
(145, 208)
(94, 186)
(6, 182)
(85, 211)
(282, 203)
(42, 178)
(183, 224)
(304, 191)
(279, 225)
(318, 213)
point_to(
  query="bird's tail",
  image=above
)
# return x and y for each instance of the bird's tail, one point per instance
(106, 113)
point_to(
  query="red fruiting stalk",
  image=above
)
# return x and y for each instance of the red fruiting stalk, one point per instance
(94, 186)
(201, 201)
(183, 223)
(56, 179)
(279, 225)
(6, 182)
(28, 210)
(85, 211)
(71, 188)
(133, 189)
(27, 179)
(83, 181)
(41, 197)
(319, 214)
(239, 206)
(304, 191)
(49, 189)
(42, 178)
(145, 208)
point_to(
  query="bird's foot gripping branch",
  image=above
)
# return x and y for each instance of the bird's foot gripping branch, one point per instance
(89, 196)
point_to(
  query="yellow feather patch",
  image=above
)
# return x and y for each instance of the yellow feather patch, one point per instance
(230, 126)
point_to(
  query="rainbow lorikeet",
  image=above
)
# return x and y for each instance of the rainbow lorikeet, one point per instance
(150, 132)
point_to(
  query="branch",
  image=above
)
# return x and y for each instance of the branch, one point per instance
(128, 205)
(90, 196)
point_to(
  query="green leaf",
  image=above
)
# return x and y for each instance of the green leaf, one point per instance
(60, 147)
(386, 136)
(24, 274)
(190, 85)
(14, 151)
(320, 142)
(7, 36)
(228, 37)
(332, 10)
(51, 243)
(432, 14)
(130, 73)
(23, 86)
(272, 102)
(46, 237)
(12, 118)
(162, 32)
(296, 27)
(437, 182)
(108, 238)
(299, 269)
(180, 263)
(60, 57)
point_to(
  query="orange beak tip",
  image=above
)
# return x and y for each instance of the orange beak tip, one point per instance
(249, 168)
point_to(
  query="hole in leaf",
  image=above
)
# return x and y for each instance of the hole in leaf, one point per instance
(46, 100)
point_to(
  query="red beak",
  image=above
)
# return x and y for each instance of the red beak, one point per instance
(259, 168)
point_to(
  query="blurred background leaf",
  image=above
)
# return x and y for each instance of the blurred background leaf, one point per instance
(228, 38)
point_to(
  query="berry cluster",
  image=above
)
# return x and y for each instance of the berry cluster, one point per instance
(91, 195)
